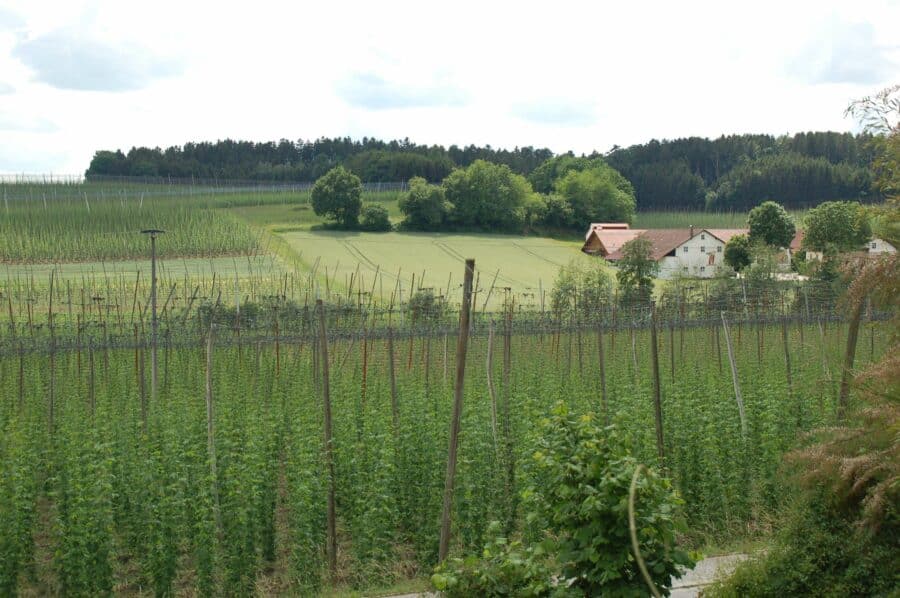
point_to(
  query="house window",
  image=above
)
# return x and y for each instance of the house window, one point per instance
(703, 268)
(719, 249)
(685, 269)
(702, 249)
(702, 237)
(874, 244)
(685, 250)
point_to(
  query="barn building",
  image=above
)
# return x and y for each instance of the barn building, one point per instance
(697, 253)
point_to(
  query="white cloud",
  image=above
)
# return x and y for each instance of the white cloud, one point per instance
(69, 59)
(571, 75)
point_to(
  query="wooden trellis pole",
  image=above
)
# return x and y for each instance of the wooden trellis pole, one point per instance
(329, 449)
(461, 347)
(734, 378)
(657, 393)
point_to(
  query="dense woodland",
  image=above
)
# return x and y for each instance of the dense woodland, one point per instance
(727, 173)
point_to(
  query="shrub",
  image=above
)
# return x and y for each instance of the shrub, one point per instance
(577, 509)
(375, 218)
(423, 206)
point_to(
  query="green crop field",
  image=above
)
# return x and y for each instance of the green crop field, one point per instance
(526, 265)
(103, 488)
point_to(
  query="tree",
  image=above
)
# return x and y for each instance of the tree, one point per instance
(489, 196)
(423, 205)
(599, 194)
(636, 270)
(770, 224)
(583, 285)
(841, 225)
(338, 195)
(375, 218)
(738, 252)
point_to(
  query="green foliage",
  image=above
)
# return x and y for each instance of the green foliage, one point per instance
(424, 206)
(818, 552)
(544, 177)
(577, 499)
(504, 568)
(89, 229)
(18, 492)
(582, 287)
(487, 196)
(598, 194)
(770, 224)
(580, 495)
(375, 218)
(794, 179)
(337, 196)
(635, 272)
(839, 225)
(424, 306)
(552, 211)
(738, 252)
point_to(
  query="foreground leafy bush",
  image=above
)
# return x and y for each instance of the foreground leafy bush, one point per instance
(577, 511)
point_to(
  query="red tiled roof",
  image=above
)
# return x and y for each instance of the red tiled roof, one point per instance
(797, 241)
(612, 240)
(662, 240)
(606, 226)
(725, 234)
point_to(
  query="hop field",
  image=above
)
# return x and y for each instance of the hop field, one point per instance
(104, 489)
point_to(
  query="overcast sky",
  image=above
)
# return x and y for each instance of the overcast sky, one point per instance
(77, 76)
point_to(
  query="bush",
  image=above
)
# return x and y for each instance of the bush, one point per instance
(577, 509)
(423, 206)
(582, 286)
(375, 218)
(424, 306)
(817, 554)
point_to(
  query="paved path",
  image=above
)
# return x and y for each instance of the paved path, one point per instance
(704, 574)
(688, 586)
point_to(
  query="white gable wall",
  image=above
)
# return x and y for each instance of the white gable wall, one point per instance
(699, 257)
(877, 245)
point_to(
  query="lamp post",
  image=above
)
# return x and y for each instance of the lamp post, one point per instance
(154, 324)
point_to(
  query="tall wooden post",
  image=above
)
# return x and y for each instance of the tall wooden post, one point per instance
(461, 347)
(329, 449)
(849, 356)
(601, 356)
(657, 393)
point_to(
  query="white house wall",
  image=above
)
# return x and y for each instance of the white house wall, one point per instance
(699, 257)
(880, 246)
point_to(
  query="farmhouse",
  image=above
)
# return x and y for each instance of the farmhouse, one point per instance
(873, 248)
(678, 251)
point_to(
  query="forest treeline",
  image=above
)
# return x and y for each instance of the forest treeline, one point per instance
(732, 172)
